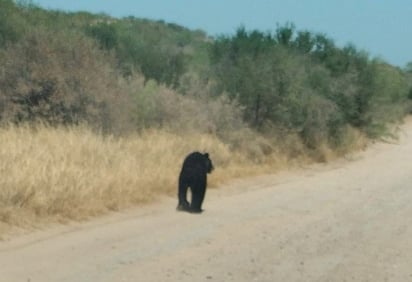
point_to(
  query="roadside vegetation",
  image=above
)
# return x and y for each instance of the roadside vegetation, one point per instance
(97, 113)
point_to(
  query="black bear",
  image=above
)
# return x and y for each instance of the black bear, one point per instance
(194, 172)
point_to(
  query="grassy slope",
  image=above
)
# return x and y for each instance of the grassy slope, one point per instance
(60, 174)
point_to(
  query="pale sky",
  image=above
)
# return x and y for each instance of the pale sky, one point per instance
(383, 28)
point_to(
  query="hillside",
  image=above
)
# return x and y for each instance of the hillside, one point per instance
(64, 67)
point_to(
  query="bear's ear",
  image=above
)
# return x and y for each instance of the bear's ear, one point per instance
(206, 155)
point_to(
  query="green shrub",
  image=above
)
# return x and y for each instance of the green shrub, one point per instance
(59, 78)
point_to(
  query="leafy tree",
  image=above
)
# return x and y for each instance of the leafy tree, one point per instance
(284, 34)
(105, 34)
(304, 42)
(408, 67)
(10, 22)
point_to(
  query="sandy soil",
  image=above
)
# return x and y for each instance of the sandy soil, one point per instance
(346, 221)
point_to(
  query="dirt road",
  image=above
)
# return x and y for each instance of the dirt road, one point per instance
(346, 221)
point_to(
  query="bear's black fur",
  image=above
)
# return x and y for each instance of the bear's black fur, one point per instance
(194, 172)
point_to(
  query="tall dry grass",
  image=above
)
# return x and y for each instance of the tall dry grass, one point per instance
(70, 173)
(56, 174)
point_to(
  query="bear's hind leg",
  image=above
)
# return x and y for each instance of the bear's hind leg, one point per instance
(198, 195)
(183, 204)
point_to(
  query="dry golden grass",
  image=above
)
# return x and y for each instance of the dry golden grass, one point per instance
(59, 174)
(72, 173)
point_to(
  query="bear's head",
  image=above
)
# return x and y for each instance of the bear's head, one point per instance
(209, 164)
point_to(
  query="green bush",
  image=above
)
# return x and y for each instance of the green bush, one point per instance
(59, 78)
(304, 83)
